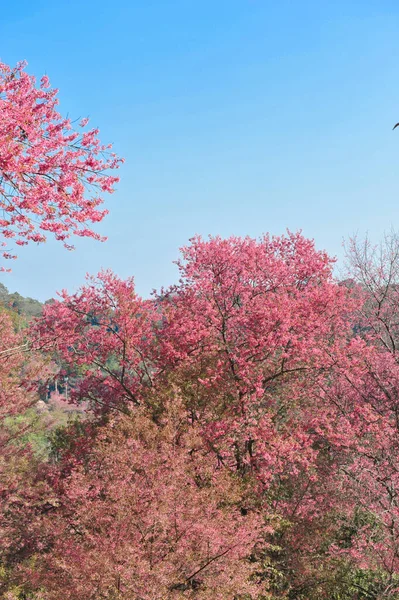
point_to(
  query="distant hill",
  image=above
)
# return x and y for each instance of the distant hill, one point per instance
(28, 307)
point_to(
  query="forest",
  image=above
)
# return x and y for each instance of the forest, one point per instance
(235, 436)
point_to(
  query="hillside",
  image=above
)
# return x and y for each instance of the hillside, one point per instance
(27, 307)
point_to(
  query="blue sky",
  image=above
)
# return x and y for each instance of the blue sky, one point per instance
(234, 117)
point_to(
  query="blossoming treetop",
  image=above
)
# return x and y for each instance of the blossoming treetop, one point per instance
(52, 178)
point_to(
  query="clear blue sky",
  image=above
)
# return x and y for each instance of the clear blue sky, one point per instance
(234, 116)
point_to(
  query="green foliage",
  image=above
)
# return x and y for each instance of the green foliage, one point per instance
(30, 429)
(66, 437)
(26, 307)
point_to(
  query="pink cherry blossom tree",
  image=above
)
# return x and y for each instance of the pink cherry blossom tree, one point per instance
(52, 178)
